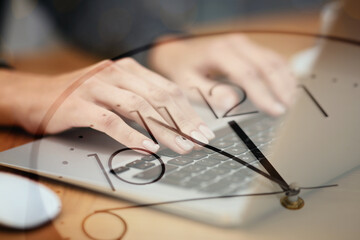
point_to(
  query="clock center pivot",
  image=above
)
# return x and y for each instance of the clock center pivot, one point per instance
(291, 200)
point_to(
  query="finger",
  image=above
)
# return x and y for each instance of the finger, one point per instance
(222, 96)
(271, 66)
(289, 82)
(258, 92)
(275, 71)
(169, 101)
(134, 107)
(178, 101)
(246, 76)
(110, 123)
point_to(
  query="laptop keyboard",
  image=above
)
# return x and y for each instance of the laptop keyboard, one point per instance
(207, 171)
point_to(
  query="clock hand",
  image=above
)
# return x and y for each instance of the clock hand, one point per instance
(122, 220)
(322, 186)
(275, 179)
(258, 154)
(190, 200)
(108, 210)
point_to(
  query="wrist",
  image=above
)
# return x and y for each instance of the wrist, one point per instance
(7, 97)
(19, 97)
(162, 58)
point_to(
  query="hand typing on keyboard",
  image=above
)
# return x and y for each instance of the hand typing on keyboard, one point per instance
(262, 73)
(100, 95)
(208, 171)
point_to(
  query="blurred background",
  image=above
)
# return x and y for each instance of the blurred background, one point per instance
(111, 27)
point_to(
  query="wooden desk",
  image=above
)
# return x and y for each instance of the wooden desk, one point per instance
(146, 223)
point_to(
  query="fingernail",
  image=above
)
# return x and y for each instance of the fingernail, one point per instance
(198, 136)
(151, 146)
(206, 131)
(279, 109)
(183, 143)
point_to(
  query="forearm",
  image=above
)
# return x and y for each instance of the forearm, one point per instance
(8, 97)
(20, 97)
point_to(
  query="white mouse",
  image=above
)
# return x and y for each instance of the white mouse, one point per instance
(25, 203)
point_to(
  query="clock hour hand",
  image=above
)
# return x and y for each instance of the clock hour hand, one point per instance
(277, 180)
(258, 154)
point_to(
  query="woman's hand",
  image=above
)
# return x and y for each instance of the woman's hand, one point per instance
(263, 74)
(96, 97)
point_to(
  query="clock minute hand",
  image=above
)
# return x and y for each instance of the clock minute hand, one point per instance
(258, 154)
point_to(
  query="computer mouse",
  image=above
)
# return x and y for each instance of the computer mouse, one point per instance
(24, 203)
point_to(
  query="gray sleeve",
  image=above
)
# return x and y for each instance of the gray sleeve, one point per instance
(4, 64)
(3, 7)
(109, 28)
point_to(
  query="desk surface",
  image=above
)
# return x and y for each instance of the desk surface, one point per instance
(331, 214)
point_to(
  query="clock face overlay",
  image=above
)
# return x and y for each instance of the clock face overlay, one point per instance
(110, 164)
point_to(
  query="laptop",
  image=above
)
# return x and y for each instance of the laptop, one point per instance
(244, 173)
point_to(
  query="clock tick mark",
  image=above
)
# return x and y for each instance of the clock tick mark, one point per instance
(71, 149)
(313, 99)
(65, 162)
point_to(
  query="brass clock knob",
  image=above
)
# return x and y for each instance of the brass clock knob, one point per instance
(292, 200)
